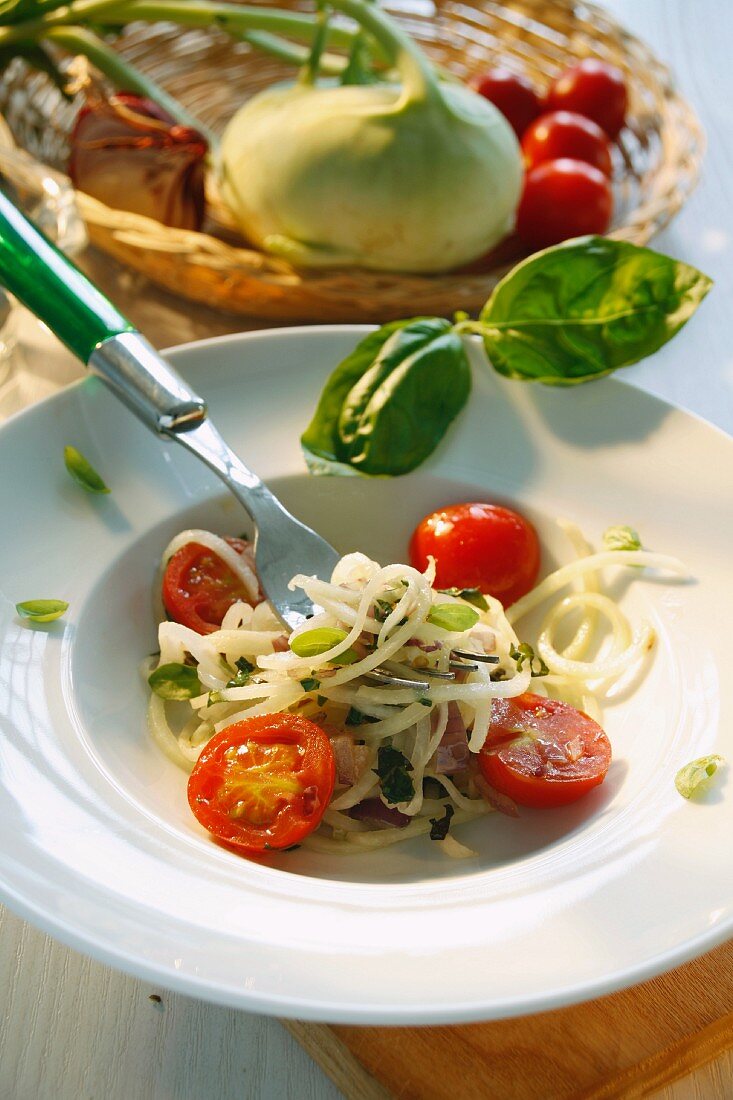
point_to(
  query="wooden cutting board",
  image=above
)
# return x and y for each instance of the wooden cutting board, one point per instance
(630, 1044)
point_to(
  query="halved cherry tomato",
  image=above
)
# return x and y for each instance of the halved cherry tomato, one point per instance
(479, 545)
(594, 89)
(264, 782)
(543, 753)
(513, 95)
(199, 588)
(561, 199)
(566, 134)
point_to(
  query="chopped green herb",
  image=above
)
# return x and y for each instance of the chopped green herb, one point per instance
(441, 825)
(214, 697)
(524, 652)
(41, 611)
(690, 778)
(310, 683)
(175, 681)
(312, 643)
(453, 616)
(470, 595)
(244, 673)
(321, 700)
(392, 769)
(621, 538)
(382, 610)
(425, 701)
(358, 718)
(83, 472)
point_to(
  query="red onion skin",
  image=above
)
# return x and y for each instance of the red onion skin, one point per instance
(131, 155)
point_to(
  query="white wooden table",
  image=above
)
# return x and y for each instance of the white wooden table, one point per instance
(72, 1029)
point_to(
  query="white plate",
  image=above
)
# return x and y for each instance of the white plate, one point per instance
(97, 844)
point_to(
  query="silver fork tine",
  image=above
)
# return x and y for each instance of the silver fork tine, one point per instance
(484, 658)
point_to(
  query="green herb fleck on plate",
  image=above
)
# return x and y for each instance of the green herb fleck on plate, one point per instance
(42, 611)
(83, 472)
(695, 774)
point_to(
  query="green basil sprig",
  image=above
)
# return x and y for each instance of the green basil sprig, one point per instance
(83, 472)
(387, 405)
(313, 643)
(584, 308)
(453, 616)
(393, 770)
(42, 611)
(470, 595)
(695, 774)
(175, 682)
(566, 315)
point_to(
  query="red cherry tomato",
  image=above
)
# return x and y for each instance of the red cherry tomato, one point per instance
(562, 199)
(513, 95)
(199, 588)
(594, 89)
(565, 134)
(480, 546)
(543, 753)
(264, 782)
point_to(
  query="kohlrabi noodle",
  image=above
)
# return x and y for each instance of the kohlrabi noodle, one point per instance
(383, 618)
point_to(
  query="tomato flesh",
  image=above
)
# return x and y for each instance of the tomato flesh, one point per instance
(263, 783)
(479, 545)
(561, 199)
(560, 134)
(543, 753)
(199, 588)
(594, 89)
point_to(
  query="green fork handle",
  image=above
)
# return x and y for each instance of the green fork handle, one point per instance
(58, 293)
(52, 288)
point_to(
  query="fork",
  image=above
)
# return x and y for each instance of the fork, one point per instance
(92, 328)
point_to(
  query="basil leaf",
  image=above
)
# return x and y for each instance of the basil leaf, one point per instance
(690, 778)
(83, 472)
(470, 595)
(387, 406)
(175, 681)
(524, 652)
(585, 307)
(621, 538)
(243, 674)
(312, 643)
(41, 611)
(453, 616)
(441, 825)
(356, 717)
(392, 768)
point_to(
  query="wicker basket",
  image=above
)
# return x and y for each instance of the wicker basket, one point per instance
(657, 159)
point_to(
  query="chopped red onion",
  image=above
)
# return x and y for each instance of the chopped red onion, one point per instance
(501, 802)
(452, 754)
(374, 812)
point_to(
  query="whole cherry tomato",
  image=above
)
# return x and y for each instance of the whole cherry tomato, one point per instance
(199, 588)
(562, 199)
(264, 782)
(512, 94)
(559, 134)
(479, 545)
(542, 753)
(594, 89)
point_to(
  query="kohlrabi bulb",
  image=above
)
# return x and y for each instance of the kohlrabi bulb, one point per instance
(422, 176)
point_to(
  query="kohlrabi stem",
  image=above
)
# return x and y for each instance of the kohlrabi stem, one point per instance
(419, 79)
(330, 64)
(123, 75)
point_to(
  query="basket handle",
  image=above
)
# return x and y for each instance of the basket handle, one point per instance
(58, 293)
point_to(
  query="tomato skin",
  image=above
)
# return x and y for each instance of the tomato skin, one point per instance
(479, 545)
(199, 588)
(280, 769)
(594, 89)
(562, 199)
(526, 758)
(513, 95)
(559, 134)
